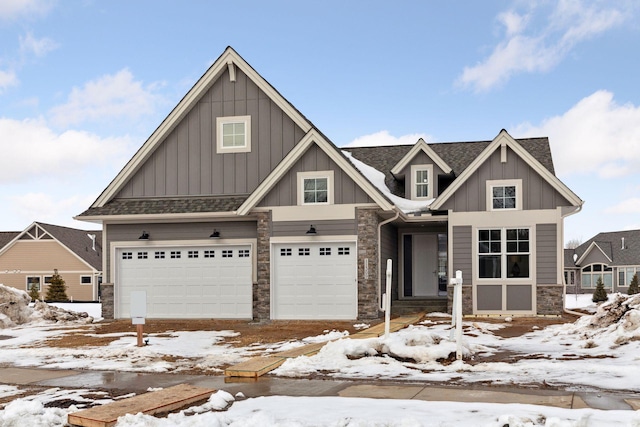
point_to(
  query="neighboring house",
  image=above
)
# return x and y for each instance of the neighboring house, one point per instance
(614, 256)
(29, 258)
(237, 206)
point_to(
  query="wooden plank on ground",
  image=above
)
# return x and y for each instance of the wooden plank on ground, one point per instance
(255, 367)
(160, 401)
(305, 350)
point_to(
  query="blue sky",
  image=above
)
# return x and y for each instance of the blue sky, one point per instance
(83, 83)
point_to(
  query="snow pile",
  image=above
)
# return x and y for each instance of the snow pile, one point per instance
(15, 310)
(14, 306)
(32, 413)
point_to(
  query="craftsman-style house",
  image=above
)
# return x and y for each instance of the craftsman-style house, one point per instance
(28, 259)
(237, 206)
(613, 256)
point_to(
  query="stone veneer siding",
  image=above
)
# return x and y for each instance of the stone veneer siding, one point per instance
(467, 299)
(106, 298)
(367, 250)
(549, 300)
(262, 289)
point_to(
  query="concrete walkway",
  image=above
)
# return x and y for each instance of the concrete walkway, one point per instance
(270, 386)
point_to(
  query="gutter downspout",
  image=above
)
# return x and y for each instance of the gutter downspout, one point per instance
(564, 287)
(386, 221)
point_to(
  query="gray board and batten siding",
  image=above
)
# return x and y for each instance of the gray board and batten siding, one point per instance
(546, 254)
(168, 232)
(471, 197)
(285, 192)
(186, 162)
(462, 252)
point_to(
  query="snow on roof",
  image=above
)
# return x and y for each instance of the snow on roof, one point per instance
(377, 179)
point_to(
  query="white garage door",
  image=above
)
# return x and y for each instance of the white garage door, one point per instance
(315, 281)
(187, 282)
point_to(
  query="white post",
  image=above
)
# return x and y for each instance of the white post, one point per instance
(456, 313)
(386, 297)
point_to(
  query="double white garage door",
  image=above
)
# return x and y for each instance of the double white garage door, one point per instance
(308, 281)
(187, 282)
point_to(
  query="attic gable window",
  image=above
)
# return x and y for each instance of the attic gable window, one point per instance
(233, 134)
(315, 188)
(421, 182)
(504, 195)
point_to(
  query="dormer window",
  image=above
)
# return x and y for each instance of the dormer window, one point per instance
(233, 134)
(422, 182)
(504, 195)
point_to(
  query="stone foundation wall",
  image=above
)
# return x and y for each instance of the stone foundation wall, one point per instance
(467, 299)
(367, 263)
(549, 300)
(262, 289)
(106, 297)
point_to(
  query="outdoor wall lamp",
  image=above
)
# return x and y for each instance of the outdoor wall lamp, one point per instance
(144, 236)
(215, 234)
(312, 230)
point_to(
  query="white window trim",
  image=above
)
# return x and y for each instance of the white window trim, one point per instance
(39, 283)
(220, 121)
(414, 184)
(90, 280)
(504, 183)
(315, 174)
(503, 257)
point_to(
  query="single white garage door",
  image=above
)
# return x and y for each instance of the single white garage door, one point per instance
(186, 282)
(315, 281)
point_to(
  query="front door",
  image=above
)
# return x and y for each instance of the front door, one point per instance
(424, 264)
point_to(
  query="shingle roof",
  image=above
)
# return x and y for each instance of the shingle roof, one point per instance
(611, 245)
(79, 242)
(458, 155)
(6, 237)
(167, 206)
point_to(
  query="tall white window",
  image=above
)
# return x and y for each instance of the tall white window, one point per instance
(422, 182)
(233, 134)
(504, 195)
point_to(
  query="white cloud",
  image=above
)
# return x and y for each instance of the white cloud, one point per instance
(7, 79)
(12, 9)
(597, 135)
(30, 150)
(384, 138)
(113, 96)
(45, 207)
(629, 206)
(571, 22)
(39, 47)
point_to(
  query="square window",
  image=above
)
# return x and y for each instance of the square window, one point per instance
(325, 251)
(285, 252)
(315, 190)
(33, 281)
(343, 251)
(304, 252)
(176, 254)
(142, 255)
(159, 255)
(208, 253)
(234, 134)
(227, 253)
(504, 195)
(243, 253)
(127, 255)
(193, 254)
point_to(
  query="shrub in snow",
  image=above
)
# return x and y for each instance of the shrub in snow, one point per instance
(599, 295)
(633, 286)
(57, 290)
(34, 294)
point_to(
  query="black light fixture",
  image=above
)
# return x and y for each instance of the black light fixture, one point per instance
(312, 230)
(144, 236)
(215, 234)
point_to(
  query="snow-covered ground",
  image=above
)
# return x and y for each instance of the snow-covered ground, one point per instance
(596, 351)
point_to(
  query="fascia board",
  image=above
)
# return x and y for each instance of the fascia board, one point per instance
(185, 105)
(15, 239)
(141, 218)
(294, 155)
(421, 145)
